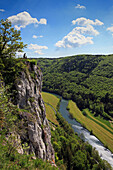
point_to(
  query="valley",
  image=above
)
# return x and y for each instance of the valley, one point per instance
(55, 113)
(85, 80)
(106, 154)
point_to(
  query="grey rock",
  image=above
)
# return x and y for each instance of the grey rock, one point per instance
(38, 135)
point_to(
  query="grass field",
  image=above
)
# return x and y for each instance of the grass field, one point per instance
(53, 101)
(106, 126)
(50, 99)
(99, 127)
(51, 114)
(100, 130)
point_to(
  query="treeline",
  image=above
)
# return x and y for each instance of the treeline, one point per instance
(71, 152)
(86, 79)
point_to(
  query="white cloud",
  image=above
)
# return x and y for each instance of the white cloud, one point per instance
(35, 36)
(86, 30)
(75, 39)
(80, 6)
(42, 21)
(19, 54)
(84, 22)
(40, 36)
(37, 48)
(2, 10)
(23, 19)
(110, 29)
(80, 35)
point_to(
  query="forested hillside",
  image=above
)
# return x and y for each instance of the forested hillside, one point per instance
(71, 152)
(86, 79)
(27, 139)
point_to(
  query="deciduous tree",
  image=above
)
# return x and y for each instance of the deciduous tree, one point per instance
(10, 40)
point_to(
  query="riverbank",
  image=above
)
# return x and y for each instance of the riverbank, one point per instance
(105, 135)
(103, 132)
(77, 127)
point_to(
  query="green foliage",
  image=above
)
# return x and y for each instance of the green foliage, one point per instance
(10, 126)
(72, 151)
(7, 112)
(10, 40)
(18, 161)
(79, 160)
(11, 69)
(84, 113)
(86, 79)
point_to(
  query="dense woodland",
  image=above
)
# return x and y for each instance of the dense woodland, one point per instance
(86, 79)
(73, 152)
(71, 77)
(70, 151)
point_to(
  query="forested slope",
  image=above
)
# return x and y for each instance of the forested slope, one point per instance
(70, 151)
(86, 79)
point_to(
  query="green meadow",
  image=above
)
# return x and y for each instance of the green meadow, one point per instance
(101, 129)
(103, 132)
(50, 100)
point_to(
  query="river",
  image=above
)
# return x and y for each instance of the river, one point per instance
(84, 133)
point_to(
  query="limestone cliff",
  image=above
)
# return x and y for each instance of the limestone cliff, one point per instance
(37, 131)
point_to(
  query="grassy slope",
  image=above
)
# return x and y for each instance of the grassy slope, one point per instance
(104, 125)
(86, 79)
(100, 129)
(50, 99)
(53, 101)
(104, 135)
(51, 114)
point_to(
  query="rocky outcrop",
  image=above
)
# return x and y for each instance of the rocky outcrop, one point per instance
(37, 131)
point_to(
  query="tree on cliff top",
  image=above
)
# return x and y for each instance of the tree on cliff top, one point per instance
(10, 40)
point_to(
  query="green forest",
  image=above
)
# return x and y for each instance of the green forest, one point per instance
(71, 151)
(86, 79)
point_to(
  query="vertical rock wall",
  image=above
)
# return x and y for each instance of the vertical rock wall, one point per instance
(37, 135)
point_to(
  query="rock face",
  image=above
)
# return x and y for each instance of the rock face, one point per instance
(37, 133)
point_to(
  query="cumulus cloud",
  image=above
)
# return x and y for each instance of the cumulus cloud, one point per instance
(35, 36)
(84, 22)
(2, 10)
(75, 39)
(23, 19)
(37, 48)
(86, 30)
(80, 35)
(80, 6)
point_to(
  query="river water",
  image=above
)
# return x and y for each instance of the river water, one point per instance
(84, 133)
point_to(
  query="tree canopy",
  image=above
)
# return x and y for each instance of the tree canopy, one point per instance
(85, 79)
(10, 40)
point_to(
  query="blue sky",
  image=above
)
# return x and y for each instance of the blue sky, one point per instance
(55, 28)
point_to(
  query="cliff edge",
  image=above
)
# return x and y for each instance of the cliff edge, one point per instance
(36, 130)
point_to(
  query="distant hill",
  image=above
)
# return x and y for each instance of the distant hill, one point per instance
(86, 79)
